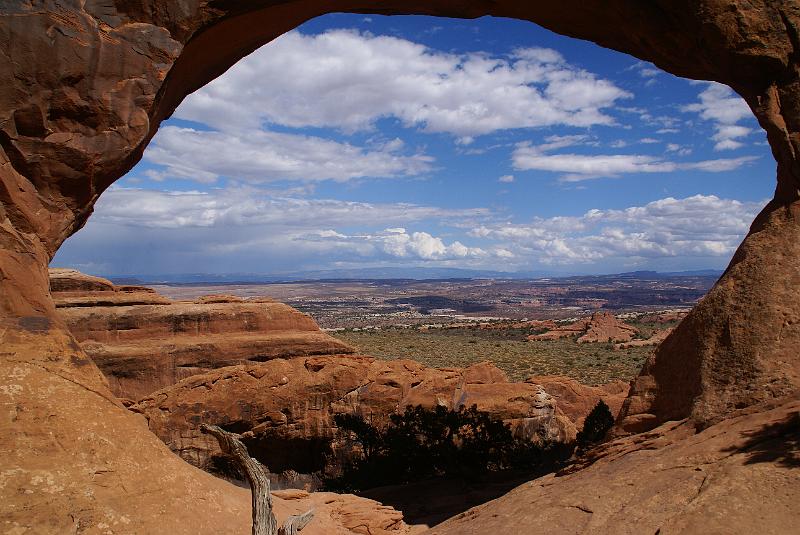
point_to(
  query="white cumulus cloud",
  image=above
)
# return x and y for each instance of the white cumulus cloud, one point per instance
(348, 80)
(700, 226)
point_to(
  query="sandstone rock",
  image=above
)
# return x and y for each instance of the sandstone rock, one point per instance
(71, 288)
(72, 280)
(84, 423)
(600, 327)
(210, 299)
(142, 341)
(604, 327)
(738, 346)
(290, 404)
(669, 480)
(562, 331)
(107, 299)
(657, 337)
(577, 400)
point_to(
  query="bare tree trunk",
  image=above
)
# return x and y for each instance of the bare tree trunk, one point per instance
(264, 521)
(295, 523)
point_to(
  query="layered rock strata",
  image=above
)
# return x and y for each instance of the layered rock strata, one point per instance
(289, 405)
(142, 341)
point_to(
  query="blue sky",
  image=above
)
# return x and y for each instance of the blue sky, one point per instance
(360, 141)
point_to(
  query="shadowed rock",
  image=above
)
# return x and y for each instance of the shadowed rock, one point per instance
(289, 405)
(669, 480)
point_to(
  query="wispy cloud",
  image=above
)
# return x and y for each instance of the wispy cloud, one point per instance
(244, 206)
(647, 71)
(719, 104)
(578, 167)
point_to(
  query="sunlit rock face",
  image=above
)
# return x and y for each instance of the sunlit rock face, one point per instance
(84, 87)
(600, 327)
(669, 480)
(142, 341)
(576, 400)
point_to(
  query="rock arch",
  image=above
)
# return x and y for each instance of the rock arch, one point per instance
(85, 84)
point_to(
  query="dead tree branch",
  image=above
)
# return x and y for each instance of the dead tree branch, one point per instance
(264, 521)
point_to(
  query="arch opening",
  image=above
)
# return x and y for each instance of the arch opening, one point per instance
(566, 153)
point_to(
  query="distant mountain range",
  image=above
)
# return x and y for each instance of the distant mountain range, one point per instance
(385, 273)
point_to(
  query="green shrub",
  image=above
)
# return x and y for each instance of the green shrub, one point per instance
(596, 425)
(422, 443)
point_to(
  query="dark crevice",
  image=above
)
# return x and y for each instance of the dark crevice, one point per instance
(18, 219)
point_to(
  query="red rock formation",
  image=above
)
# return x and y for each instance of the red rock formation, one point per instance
(600, 327)
(345, 513)
(605, 327)
(562, 331)
(85, 86)
(71, 280)
(738, 346)
(142, 341)
(577, 400)
(734, 477)
(657, 337)
(291, 404)
(71, 288)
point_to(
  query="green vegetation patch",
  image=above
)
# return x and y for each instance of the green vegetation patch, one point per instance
(423, 443)
(591, 364)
